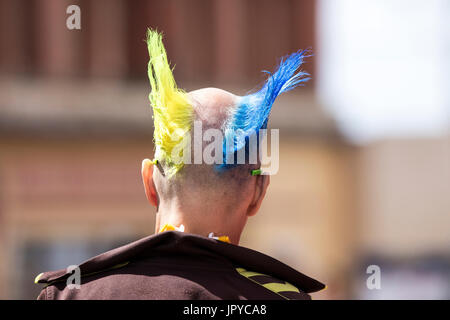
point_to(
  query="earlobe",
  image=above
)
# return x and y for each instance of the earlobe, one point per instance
(147, 179)
(262, 182)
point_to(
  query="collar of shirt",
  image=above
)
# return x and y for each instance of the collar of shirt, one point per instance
(170, 227)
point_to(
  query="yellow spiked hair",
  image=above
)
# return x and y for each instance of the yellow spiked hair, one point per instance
(172, 112)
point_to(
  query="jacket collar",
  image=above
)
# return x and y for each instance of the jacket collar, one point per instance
(175, 242)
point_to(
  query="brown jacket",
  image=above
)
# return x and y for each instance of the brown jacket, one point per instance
(176, 265)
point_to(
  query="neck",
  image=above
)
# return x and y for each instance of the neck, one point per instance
(202, 221)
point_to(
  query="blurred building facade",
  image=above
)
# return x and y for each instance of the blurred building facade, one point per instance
(75, 125)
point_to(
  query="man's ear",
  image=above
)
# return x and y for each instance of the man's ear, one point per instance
(149, 185)
(262, 182)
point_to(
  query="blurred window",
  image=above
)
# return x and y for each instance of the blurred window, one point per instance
(384, 66)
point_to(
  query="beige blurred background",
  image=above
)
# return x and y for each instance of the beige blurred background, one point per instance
(364, 147)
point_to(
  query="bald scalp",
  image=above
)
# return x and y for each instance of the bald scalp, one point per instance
(212, 107)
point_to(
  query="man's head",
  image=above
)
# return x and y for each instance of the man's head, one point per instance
(207, 197)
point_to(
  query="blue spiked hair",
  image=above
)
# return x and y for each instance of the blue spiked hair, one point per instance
(252, 111)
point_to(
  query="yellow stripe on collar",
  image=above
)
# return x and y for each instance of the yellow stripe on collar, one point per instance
(167, 227)
(224, 239)
(270, 283)
(170, 227)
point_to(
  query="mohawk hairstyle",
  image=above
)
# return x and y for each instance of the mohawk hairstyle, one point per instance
(172, 112)
(252, 111)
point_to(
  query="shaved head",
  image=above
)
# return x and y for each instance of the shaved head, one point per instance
(219, 191)
(212, 106)
(199, 196)
(201, 182)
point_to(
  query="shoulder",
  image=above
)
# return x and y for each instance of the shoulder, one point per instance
(174, 265)
(281, 289)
